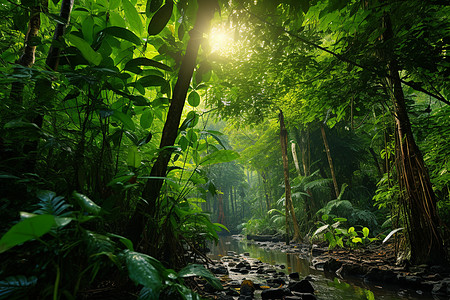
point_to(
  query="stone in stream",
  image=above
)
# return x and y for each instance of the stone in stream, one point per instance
(304, 296)
(219, 270)
(247, 289)
(275, 293)
(303, 286)
(295, 276)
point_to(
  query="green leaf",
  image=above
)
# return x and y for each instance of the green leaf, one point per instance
(199, 270)
(87, 204)
(365, 231)
(132, 16)
(142, 271)
(134, 158)
(194, 99)
(88, 53)
(160, 18)
(152, 6)
(133, 65)
(123, 240)
(146, 118)
(220, 156)
(125, 119)
(357, 240)
(25, 230)
(122, 33)
(152, 80)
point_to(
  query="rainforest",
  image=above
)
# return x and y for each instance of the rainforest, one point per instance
(168, 149)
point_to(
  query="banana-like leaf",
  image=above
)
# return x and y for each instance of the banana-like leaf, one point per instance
(219, 156)
(87, 204)
(27, 229)
(142, 271)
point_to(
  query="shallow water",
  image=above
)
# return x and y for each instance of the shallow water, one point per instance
(327, 286)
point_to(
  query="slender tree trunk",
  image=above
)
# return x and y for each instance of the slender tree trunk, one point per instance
(330, 160)
(294, 157)
(417, 195)
(53, 56)
(152, 187)
(289, 205)
(266, 189)
(28, 56)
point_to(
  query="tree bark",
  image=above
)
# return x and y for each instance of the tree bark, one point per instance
(294, 156)
(330, 160)
(417, 195)
(288, 201)
(145, 211)
(53, 56)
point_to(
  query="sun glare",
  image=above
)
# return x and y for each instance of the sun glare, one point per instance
(221, 41)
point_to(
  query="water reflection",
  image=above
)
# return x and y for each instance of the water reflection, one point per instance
(327, 287)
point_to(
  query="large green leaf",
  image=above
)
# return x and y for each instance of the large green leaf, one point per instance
(141, 271)
(87, 204)
(132, 16)
(194, 99)
(133, 65)
(134, 158)
(220, 156)
(88, 53)
(27, 229)
(152, 80)
(122, 33)
(160, 18)
(199, 270)
(146, 118)
(125, 119)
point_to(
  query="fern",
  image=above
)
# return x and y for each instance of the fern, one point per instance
(51, 204)
(16, 287)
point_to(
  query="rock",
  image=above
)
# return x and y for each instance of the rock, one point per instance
(219, 270)
(275, 293)
(247, 288)
(305, 296)
(246, 254)
(243, 264)
(282, 267)
(441, 288)
(231, 253)
(225, 297)
(293, 298)
(295, 276)
(231, 292)
(331, 265)
(303, 286)
(243, 297)
(277, 281)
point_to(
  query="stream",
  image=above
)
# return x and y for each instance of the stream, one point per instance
(326, 285)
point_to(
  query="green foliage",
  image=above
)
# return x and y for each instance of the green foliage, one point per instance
(342, 237)
(16, 287)
(159, 282)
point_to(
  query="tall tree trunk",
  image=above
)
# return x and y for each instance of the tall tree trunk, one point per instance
(294, 157)
(152, 188)
(28, 56)
(53, 56)
(289, 205)
(266, 189)
(417, 195)
(330, 160)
